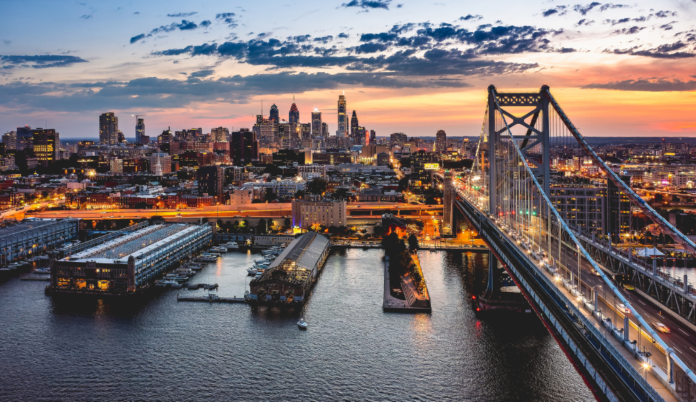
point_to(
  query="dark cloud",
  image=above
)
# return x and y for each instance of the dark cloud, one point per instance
(136, 13)
(343, 35)
(154, 92)
(368, 4)
(185, 25)
(644, 18)
(667, 27)
(665, 14)
(470, 17)
(558, 10)
(299, 38)
(379, 37)
(651, 85)
(181, 15)
(324, 39)
(86, 16)
(371, 48)
(227, 18)
(202, 73)
(584, 22)
(666, 51)
(40, 61)
(629, 31)
(584, 9)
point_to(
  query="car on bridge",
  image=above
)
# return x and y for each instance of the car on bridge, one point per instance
(622, 308)
(662, 327)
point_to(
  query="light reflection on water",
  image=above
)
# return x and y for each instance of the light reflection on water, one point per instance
(169, 350)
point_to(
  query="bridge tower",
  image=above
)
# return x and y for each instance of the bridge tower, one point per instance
(447, 222)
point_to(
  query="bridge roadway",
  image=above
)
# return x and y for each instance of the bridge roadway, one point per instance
(682, 338)
(597, 358)
(241, 211)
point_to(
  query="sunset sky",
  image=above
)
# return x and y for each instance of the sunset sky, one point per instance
(618, 69)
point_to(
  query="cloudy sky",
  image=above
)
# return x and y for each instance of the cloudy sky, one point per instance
(618, 69)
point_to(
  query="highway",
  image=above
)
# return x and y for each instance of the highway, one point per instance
(231, 211)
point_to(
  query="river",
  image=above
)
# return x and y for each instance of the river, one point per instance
(168, 350)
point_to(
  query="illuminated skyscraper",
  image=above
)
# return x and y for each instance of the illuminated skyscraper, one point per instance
(440, 142)
(139, 130)
(108, 129)
(354, 129)
(46, 145)
(316, 123)
(274, 116)
(342, 122)
(294, 116)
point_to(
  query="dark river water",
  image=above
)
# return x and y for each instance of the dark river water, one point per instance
(169, 350)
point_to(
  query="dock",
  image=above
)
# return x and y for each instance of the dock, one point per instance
(36, 278)
(211, 298)
(393, 304)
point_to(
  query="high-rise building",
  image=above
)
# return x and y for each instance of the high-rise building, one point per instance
(294, 115)
(440, 142)
(618, 209)
(108, 128)
(316, 123)
(274, 116)
(46, 145)
(10, 140)
(354, 128)
(373, 136)
(244, 148)
(324, 129)
(25, 138)
(139, 129)
(219, 134)
(342, 122)
(398, 139)
(211, 180)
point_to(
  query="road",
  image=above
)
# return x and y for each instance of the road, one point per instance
(227, 211)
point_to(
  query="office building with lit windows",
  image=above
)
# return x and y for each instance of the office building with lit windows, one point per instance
(46, 145)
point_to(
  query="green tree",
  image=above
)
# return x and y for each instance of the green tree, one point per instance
(413, 243)
(317, 186)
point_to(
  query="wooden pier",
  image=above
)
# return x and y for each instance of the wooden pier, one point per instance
(211, 298)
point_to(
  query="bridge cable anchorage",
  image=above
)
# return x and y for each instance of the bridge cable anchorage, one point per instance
(563, 227)
(635, 198)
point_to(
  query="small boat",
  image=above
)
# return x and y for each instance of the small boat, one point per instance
(302, 324)
(218, 250)
(231, 245)
(207, 258)
(252, 271)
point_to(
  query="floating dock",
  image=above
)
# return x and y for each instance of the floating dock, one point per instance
(211, 298)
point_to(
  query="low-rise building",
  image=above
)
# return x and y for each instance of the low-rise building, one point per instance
(306, 214)
(33, 235)
(309, 172)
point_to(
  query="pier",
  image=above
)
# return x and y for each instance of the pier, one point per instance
(211, 298)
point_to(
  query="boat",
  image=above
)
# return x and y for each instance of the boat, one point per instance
(231, 245)
(218, 250)
(252, 271)
(207, 258)
(302, 324)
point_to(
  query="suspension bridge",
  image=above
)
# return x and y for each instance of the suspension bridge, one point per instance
(563, 269)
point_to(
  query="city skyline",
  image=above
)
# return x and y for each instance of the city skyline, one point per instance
(616, 67)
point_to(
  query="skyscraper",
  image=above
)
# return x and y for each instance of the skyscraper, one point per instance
(25, 138)
(342, 126)
(219, 134)
(108, 129)
(355, 129)
(274, 116)
(294, 115)
(10, 140)
(244, 147)
(139, 129)
(440, 142)
(46, 145)
(316, 123)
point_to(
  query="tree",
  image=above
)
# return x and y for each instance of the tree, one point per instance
(299, 194)
(287, 222)
(340, 194)
(389, 243)
(403, 184)
(261, 227)
(317, 186)
(413, 243)
(270, 195)
(377, 231)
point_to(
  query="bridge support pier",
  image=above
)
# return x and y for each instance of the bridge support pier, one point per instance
(626, 329)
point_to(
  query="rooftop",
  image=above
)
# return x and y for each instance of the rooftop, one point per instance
(15, 229)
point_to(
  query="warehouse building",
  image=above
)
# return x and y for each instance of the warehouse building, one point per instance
(128, 264)
(290, 277)
(31, 236)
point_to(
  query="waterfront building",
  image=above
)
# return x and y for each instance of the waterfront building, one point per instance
(440, 142)
(342, 122)
(33, 235)
(108, 128)
(128, 264)
(306, 214)
(290, 277)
